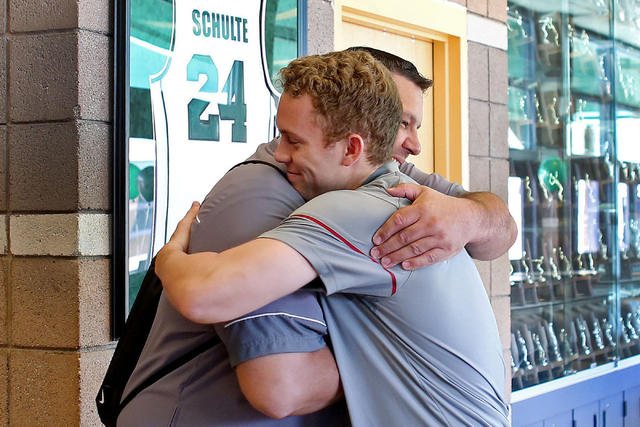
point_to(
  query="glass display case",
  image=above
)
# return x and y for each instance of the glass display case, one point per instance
(574, 186)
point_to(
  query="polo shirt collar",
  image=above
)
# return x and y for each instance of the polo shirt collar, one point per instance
(390, 167)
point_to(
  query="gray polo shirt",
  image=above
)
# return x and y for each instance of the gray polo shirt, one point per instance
(414, 348)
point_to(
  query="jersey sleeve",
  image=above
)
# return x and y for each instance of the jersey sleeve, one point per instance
(247, 201)
(292, 324)
(433, 180)
(333, 232)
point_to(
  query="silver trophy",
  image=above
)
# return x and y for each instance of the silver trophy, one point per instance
(540, 355)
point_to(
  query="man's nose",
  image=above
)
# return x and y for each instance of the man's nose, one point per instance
(281, 155)
(412, 143)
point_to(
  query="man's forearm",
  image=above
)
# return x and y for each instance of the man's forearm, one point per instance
(281, 385)
(208, 287)
(495, 230)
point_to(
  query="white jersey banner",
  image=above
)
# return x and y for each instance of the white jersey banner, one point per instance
(212, 104)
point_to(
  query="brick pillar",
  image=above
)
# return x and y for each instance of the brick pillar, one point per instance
(488, 125)
(55, 207)
(320, 23)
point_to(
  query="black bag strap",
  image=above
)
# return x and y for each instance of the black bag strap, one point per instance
(129, 347)
(167, 369)
(259, 162)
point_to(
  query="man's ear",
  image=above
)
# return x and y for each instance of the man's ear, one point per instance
(354, 149)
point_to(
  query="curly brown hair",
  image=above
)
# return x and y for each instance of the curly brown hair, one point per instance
(351, 93)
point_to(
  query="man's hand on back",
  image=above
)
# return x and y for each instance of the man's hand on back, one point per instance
(437, 227)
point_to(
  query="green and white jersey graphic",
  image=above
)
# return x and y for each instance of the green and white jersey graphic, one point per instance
(212, 104)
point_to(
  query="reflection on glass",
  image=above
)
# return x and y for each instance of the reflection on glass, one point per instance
(151, 29)
(585, 129)
(627, 131)
(623, 217)
(549, 31)
(588, 223)
(281, 40)
(516, 200)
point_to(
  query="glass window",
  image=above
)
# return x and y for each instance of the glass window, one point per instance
(201, 97)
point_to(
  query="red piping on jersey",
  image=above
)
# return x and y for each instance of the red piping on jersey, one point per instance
(346, 242)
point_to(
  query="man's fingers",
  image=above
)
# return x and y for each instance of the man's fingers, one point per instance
(415, 256)
(405, 240)
(409, 191)
(400, 219)
(428, 258)
(183, 230)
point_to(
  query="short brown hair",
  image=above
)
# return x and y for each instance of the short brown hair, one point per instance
(398, 65)
(352, 93)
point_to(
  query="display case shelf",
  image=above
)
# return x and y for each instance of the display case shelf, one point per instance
(574, 190)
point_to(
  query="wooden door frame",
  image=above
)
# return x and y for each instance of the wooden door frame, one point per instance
(445, 26)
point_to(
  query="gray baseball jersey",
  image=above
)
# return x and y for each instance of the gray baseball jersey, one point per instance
(249, 200)
(414, 348)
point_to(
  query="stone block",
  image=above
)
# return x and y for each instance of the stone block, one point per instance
(37, 15)
(479, 135)
(478, 72)
(43, 388)
(94, 166)
(95, 15)
(500, 272)
(507, 376)
(95, 302)
(497, 9)
(498, 130)
(93, 366)
(502, 310)
(485, 31)
(498, 76)
(43, 163)
(3, 77)
(43, 77)
(44, 302)
(53, 234)
(479, 7)
(3, 168)
(4, 387)
(94, 231)
(499, 178)
(95, 72)
(484, 268)
(60, 234)
(320, 26)
(4, 238)
(4, 267)
(3, 16)
(479, 174)
(59, 166)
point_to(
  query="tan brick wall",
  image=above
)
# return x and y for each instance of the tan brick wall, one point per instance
(55, 209)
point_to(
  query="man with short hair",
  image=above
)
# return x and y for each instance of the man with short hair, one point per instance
(429, 334)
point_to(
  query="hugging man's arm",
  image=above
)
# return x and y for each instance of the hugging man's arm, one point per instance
(281, 360)
(438, 226)
(443, 220)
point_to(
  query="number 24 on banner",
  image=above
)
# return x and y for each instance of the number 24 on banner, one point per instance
(235, 109)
